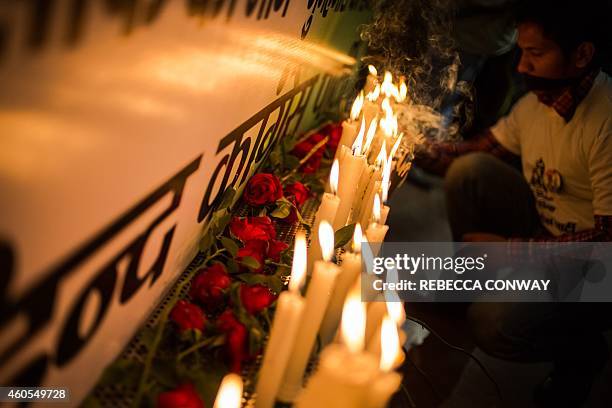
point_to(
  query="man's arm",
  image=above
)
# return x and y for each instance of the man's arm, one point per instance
(602, 232)
(436, 158)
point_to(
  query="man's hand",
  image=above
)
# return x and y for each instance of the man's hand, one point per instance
(482, 237)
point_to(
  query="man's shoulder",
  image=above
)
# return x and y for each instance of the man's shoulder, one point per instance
(599, 103)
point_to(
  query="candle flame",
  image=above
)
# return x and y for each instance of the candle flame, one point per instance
(353, 324)
(396, 146)
(298, 269)
(230, 392)
(389, 343)
(387, 85)
(333, 176)
(357, 105)
(357, 237)
(396, 312)
(381, 159)
(373, 95)
(371, 134)
(326, 240)
(376, 208)
(372, 70)
(359, 140)
(403, 90)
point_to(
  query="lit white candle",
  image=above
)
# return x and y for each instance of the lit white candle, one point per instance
(374, 185)
(372, 79)
(387, 382)
(395, 311)
(350, 127)
(230, 392)
(351, 167)
(345, 372)
(349, 272)
(326, 212)
(317, 300)
(384, 187)
(287, 318)
(376, 232)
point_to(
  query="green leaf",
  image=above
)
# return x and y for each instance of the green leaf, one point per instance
(232, 266)
(291, 161)
(206, 241)
(123, 371)
(282, 210)
(230, 245)
(344, 235)
(222, 222)
(252, 278)
(227, 198)
(147, 336)
(274, 283)
(250, 263)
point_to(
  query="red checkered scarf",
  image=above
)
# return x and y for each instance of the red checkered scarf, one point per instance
(566, 102)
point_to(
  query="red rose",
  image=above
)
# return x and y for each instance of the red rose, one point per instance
(334, 132)
(256, 298)
(209, 285)
(250, 228)
(183, 396)
(262, 189)
(187, 316)
(255, 249)
(312, 164)
(235, 339)
(275, 248)
(298, 191)
(301, 149)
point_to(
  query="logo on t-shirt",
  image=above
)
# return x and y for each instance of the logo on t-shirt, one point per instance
(544, 182)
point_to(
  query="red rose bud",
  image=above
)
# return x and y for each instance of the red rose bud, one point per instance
(298, 191)
(256, 298)
(275, 248)
(235, 339)
(255, 249)
(250, 228)
(334, 132)
(187, 316)
(209, 285)
(262, 189)
(311, 165)
(183, 396)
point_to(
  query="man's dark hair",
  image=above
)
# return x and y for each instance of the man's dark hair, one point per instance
(570, 23)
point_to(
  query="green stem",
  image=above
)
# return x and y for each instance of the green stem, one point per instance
(160, 329)
(307, 157)
(192, 349)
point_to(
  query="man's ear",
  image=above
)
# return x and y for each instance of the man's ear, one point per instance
(584, 54)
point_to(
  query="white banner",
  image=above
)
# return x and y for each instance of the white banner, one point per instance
(121, 124)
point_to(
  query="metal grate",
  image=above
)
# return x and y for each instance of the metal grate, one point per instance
(122, 396)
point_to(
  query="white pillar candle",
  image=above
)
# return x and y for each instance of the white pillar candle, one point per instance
(376, 311)
(351, 125)
(287, 318)
(326, 212)
(376, 232)
(353, 164)
(362, 186)
(395, 311)
(317, 299)
(384, 214)
(230, 392)
(349, 272)
(345, 371)
(365, 215)
(387, 383)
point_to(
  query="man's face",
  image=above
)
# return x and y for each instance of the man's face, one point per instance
(541, 56)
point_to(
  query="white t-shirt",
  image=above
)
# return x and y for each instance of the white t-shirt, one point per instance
(567, 165)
